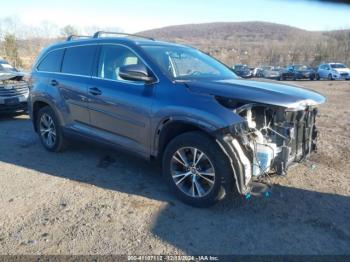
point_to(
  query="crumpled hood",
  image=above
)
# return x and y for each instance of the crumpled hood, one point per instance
(6, 75)
(272, 93)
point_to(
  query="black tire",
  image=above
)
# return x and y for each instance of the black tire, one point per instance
(330, 77)
(312, 78)
(60, 142)
(221, 188)
(281, 78)
(318, 77)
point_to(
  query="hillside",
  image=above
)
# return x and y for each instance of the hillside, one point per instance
(253, 43)
(246, 31)
(256, 42)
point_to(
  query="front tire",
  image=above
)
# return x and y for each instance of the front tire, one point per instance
(49, 130)
(330, 77)
(197, 170)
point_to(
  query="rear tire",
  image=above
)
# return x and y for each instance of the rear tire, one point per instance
(49, 130)
(318, 77)
(212, 172)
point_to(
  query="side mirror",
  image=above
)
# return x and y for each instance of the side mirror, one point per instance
(135, 73)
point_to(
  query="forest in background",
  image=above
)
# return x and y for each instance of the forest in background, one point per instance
(252, 43)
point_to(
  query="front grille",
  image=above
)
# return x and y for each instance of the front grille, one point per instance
(303, 140)
(13, 89)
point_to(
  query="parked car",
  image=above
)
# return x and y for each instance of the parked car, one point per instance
(333, 71)
(296, 72)
(287, 73)
(258, 72)
(242, 71)
(211, 131)
(270, 72)
(14, 90)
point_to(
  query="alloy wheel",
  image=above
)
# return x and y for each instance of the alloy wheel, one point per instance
(47, 130)
(192, 172)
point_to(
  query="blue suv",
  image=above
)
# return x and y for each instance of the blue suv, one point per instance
(212, 132)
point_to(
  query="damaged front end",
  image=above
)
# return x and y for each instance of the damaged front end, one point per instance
(268, 140)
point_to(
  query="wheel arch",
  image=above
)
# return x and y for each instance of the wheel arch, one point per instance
(171, 127)
(41, 103)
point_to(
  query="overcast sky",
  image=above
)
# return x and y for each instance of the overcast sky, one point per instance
(137, 15)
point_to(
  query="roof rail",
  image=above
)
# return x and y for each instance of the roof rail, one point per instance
(71, 37)
(99, 33)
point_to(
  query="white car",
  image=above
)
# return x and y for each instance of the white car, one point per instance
(332, 71)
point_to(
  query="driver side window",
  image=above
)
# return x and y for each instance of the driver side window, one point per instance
(112, 58)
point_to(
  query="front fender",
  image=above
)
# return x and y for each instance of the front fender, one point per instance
(164, 122)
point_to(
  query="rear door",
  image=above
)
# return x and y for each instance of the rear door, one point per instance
(48, 68)
(73, 82)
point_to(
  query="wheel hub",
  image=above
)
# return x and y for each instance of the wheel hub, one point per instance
(47, 130)
(192, 172)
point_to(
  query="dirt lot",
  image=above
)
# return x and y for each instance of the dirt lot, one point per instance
(91, 200)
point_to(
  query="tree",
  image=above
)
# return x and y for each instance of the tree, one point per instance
(11, 50)
(69, 30)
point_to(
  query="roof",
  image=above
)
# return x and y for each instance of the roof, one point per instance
(105, 40)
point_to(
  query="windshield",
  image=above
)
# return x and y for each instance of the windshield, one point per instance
(301, 67)
(338, 66)
(183, 63)
(4, 66)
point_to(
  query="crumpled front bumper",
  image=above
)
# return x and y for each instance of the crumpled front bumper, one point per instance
(299, 149)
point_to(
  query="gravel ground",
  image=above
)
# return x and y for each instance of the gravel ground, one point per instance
(91, 200)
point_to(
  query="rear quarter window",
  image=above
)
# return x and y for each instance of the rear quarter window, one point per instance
(52, 61)
(78, 60)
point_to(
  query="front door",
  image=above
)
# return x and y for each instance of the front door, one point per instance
(120, 109)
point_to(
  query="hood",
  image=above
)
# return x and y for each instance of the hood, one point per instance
(272, 72)
(305, 71)
(271, 93)
(342, 70)
(11, 75)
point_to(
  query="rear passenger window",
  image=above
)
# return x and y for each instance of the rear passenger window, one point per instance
(51, 62)
(78, 60)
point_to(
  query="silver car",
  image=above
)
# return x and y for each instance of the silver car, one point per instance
(14, 89)
(333, 71)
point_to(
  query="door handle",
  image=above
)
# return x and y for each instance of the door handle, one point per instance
(54, 83)
(95, 91)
